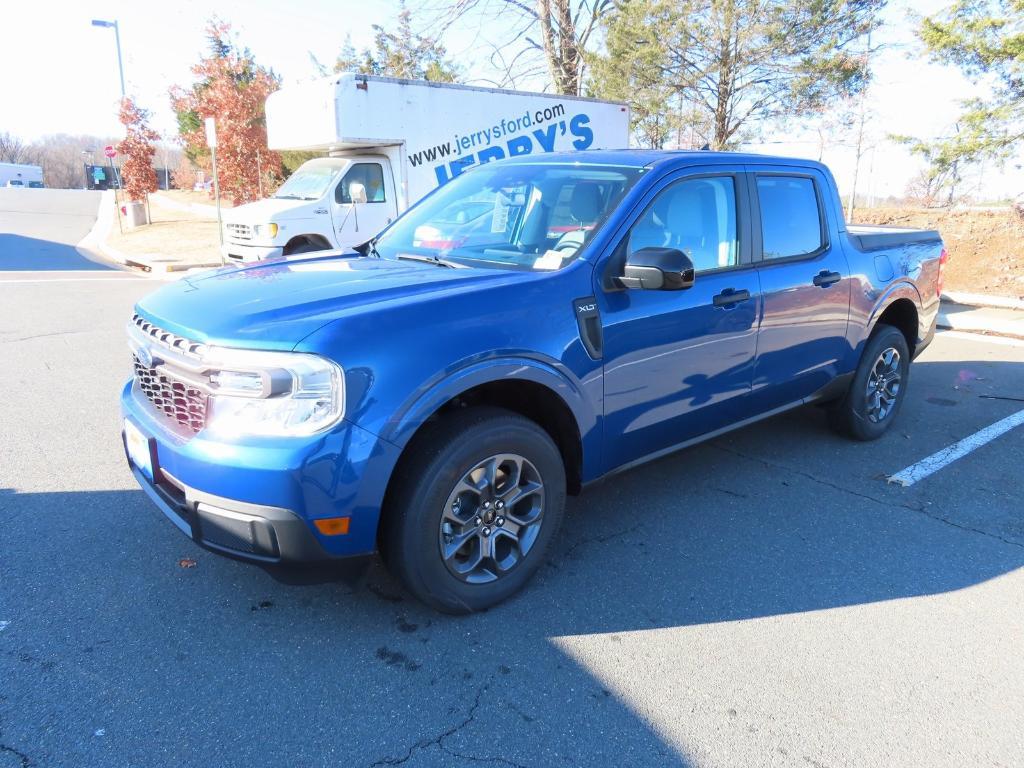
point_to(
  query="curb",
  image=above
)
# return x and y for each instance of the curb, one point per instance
(95, 242)
(982, 300)
(980, 324)
(159, 265)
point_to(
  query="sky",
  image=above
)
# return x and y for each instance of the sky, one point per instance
(60, 72)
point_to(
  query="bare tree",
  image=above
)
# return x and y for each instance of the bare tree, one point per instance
(558, 31)
(14, 150)
(64, 156)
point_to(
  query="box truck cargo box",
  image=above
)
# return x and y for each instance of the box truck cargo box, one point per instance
(389, 143)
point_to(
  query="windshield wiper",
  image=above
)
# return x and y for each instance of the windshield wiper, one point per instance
(369, 248)
(437, 260)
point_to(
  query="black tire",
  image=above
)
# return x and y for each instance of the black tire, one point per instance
(857, 415)
(304, 247)
(438, 460)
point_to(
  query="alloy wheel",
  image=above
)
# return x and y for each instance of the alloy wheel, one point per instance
(883, 385)
(492, 518)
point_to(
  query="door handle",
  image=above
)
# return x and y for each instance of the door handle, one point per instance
(825, 278)
(729, 297)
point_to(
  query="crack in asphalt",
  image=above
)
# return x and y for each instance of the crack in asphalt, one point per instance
(599, 539)
(42, 336)
(22, 757)
(438, 741)
(884, 502)
(26, 761)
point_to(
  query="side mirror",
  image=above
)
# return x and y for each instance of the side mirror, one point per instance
(356, 192)
(658, 269)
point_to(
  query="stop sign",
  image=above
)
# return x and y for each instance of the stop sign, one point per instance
(109, 151)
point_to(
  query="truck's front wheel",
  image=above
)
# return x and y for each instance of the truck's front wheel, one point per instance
(474, 509)
(302, 246)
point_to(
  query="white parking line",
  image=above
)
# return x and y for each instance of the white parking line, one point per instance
(957, 450)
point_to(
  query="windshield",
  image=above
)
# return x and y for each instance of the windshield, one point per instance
(308, 182)
(516, 215)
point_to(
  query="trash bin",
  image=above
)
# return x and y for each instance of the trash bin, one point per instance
(135, 213)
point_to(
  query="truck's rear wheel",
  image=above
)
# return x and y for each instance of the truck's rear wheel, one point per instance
(878, 388)
(475, 508)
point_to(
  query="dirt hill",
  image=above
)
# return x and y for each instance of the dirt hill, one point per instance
(986, 247)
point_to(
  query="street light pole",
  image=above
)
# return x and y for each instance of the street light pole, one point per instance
(117, 41)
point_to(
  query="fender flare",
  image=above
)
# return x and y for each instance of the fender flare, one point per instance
(452, 383)
(901, 289)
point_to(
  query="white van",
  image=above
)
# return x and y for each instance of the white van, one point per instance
(390, 142)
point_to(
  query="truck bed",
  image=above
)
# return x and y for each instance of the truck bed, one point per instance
(871, 237)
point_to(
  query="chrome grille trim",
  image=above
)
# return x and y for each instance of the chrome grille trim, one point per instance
(192, 349)
(239, 231)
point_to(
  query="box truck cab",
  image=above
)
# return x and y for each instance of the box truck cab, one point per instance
(390, 142)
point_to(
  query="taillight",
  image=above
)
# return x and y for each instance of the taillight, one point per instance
(943, 258)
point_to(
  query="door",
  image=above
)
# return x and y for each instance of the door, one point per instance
(678, 364)
(355, 223)
(806, 284)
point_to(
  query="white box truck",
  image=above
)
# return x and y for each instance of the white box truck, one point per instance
(390, 142)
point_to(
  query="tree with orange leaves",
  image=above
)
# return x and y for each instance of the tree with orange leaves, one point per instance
(231, 88)
(137, 173)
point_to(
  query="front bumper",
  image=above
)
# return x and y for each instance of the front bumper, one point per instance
(259, 499)
(250, 531)
(247, 253)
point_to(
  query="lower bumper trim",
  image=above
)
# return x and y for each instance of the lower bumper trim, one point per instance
(240, 529)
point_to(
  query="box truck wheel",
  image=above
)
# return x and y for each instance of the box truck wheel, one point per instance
(477, 501)
(304, 245)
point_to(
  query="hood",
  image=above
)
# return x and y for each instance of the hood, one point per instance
(264, 210)
(275, 304)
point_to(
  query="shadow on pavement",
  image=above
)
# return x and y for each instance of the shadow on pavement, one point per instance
(20, 253)
(244, 667)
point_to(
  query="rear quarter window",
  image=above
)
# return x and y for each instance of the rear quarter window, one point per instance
(790, 216)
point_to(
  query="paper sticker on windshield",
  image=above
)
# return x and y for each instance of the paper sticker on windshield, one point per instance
(550, 260)
(499, 219)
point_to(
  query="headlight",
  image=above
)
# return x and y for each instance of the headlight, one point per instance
(272, 393)
(266, 230)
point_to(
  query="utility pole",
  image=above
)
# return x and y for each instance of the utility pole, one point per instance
(211, 141)
(117, 41)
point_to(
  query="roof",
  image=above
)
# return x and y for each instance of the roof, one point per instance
(338, 78)
(647, 158)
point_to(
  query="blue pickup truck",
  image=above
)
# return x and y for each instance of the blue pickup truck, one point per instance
(530, 328)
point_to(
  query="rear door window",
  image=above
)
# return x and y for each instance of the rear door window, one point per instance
(790, 216)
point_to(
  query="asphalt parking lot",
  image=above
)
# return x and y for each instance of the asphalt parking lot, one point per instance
(764, 599)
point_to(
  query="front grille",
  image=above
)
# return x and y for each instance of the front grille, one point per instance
(175, 399)
(240, 231)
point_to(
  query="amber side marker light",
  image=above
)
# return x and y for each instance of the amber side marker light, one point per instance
(332, 526)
